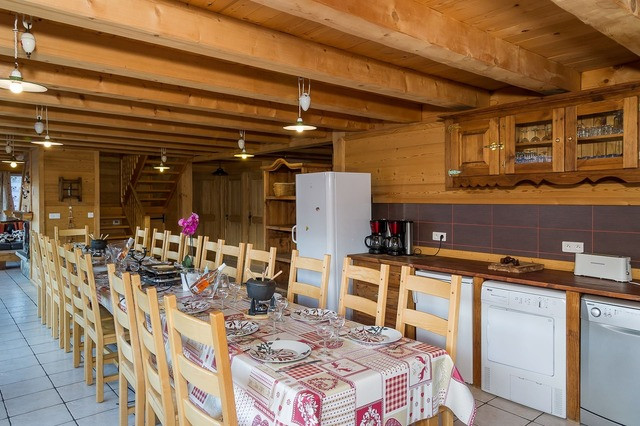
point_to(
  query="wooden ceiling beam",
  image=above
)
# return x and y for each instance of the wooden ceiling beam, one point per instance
(217, 36)
(73, 101)
(617, 19)
(95, 84)
(413, 27)
(110, 121)
(71, 47)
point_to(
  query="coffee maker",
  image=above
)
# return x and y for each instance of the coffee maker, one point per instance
(376, 241)
(395, 243)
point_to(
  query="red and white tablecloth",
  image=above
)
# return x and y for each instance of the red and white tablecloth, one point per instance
(391, 385)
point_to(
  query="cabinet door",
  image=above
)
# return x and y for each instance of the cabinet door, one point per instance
(602, 135)
(534, 141)
(475, 147)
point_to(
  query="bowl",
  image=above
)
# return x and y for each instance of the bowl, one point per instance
(259, 289)
(98, 244)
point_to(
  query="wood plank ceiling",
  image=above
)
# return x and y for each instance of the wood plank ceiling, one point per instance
(131, 76)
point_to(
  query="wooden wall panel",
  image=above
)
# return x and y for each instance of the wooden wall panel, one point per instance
(407, 166)
(109, 180)
(69, 164)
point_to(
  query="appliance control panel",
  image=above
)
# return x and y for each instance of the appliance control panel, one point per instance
(615, 315)
(523, 301)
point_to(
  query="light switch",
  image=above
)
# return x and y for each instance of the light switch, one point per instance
(90, 215)
(54, 215)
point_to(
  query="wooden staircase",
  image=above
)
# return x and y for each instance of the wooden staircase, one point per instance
(114, 222)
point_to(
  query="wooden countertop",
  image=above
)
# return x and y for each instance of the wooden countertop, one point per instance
(549, 278)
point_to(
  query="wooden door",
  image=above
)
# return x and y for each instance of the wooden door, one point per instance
(234, 214)
(211, 204)
(475, 147)
(255, 218)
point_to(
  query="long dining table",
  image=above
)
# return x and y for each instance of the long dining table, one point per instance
(354, 384)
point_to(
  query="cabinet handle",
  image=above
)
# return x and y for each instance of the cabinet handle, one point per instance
(495, 146)
(557, 140)
(454, 172)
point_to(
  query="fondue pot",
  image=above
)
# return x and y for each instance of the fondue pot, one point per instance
(261, 294)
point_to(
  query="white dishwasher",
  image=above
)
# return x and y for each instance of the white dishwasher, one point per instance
(440, 307)
(524, 345)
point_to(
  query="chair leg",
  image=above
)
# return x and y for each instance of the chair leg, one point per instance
(39, 301)
(88, 359)
(55, 315)
(140, 399)
(149, 414)
(123, 399)
(447, 417)
(76, 334)
(61, 331)
(67, 331)
(99, 372)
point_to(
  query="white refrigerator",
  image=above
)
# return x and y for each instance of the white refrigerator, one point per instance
(333, 210)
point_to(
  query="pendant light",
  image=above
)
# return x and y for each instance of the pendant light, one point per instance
(304, 102)
(47, 142)
(220, 171)
(9, 150)
(163, 159)
(243, 152)
(27, 40)
(14, 82)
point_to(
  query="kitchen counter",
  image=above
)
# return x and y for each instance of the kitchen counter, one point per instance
(549, 278)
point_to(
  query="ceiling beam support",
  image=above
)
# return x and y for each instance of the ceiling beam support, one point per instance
(217, 36)
(617, 19)
(412, 27)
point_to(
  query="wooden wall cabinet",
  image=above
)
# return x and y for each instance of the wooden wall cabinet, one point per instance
(280, 211)
(587, 139)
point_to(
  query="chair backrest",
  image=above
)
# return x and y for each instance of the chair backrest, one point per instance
(211, 255)
(54, 269)
(124, 316)
(359, 303)
(233, 255)
(156, 375)
(89, 294)
(36, 277)
(75, 286)
(71, 234)
(141, 239)
(63, 272)
(321, 266)
(219, 383)
(193, 247)
(157, 244)
(173, 246)
(410, 283)
(262, 259)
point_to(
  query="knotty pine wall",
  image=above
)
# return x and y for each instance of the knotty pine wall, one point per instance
(407, 166)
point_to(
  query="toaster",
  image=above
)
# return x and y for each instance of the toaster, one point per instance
(609, 267)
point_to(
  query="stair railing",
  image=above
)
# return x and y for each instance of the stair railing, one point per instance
(130, 169)
(134, 210)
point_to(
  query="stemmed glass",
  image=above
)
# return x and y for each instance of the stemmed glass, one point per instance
(523, 138)
(281, 304)
(275, 314)
(337, 322)
(535, 137)
(324, 330)
(234, 288)
(223, 293)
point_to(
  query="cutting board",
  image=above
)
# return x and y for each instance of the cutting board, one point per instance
(523, 267)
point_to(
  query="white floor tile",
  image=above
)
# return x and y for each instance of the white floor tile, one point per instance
(21, 374)
(88, 406)
(58, 366)
(52, 356)
(50, 416)
(16, 363)
(10, 336)
(34, 323)
(79, 390)
(3, 412)
(38, 339)
(67, 377)
(489, 415)
(15, 343)
(517, 409)
(549, 420)
(51, 345)
(106, 418)
(32, 402)
(26, 387)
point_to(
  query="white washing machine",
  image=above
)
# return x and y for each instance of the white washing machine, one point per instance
(524, 345)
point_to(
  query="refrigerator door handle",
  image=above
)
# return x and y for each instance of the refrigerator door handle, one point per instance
(293, 233)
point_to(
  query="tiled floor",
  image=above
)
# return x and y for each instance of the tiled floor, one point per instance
(39, 385)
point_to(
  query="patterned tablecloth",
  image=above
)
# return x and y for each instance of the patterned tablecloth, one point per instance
(391, 385)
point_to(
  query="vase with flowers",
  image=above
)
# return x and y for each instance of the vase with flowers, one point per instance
(189, 226)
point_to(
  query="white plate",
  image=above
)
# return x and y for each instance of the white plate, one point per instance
(279, 351)
(239, 328)
(312, 315)
(374, 335)
(193, 306)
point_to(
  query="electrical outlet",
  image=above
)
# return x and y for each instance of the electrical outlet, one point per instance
(90, 215)
(115, 222)
(439, 236)
(54, 215)
(572, 247)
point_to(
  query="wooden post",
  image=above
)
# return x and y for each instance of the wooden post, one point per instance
(339, 152)
(185, 191)
(573, 355)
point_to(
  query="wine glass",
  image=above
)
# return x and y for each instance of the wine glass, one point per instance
(523, 138)
(337, 322)
(281, 304)
(535, 137)
(223, 293)
(275, 314)
(234, 288)
(324, 330)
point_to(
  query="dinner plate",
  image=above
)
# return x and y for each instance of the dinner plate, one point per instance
(279, 351)
(193, 306)
(312, 315)
(239, 328)
(374, 335)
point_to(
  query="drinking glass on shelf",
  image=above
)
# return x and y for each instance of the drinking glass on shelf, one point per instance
(523, 136)
(535, 137)
(324, 330)
(547, 132)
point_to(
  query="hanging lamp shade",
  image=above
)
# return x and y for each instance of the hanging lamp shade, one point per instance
(47, 142)
(299, 126)
(15, 83)
(13, 162)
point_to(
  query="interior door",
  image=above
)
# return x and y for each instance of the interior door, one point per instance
(211, 204)
(256, 210)
(234, 214)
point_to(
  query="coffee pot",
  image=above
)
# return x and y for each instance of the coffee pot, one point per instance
(394, 243)
(376, 241)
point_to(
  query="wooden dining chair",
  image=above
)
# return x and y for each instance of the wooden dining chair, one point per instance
(321, 268)
(233, 257)
(173, 247)
(141, 239)
(157, 244)
(36, 276)
(211, 255)
(99, 329)
(66, 306)
(44, 277)
(159, 401)
(193, 247)
(130, 371)
(53, 284)
(212, 334)
(77, 307)
(258, 261)
(448, 328)
(379, 278)
(79, 234)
